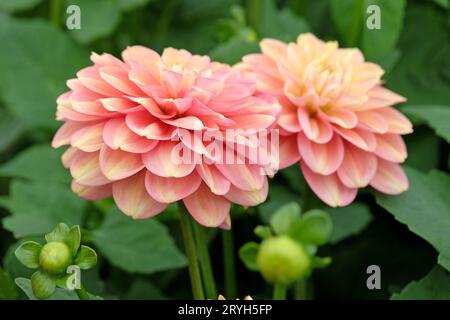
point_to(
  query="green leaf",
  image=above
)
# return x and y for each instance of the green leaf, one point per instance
(11, 129)
(348, 221)
(35, 163)
(320, 262)
(248, 254)
(424, 208)
(263, 232)
(98, 19)
(142, 289)
(142, 246)
(28, 66)
(8, 290)
(351, 19)
(86, 258)
(278, 196)
(73, 239)
(434, 286)
(58, 294)
(60, 232)
(314, 228)
(42, 285)
(443, 3)
(437, 117)
(232, 51)
(283, 218)
(38, 207)
(17, 5)
(28, 254)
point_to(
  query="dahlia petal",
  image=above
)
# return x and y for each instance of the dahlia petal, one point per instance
(391, 147)
(274, 49)
(206, 208)
(255, 122)
(329, 188)
(92, 193)
(189, 122)
(323, 159)
(396, 121)
(248, 198)
(167, 190)
(68, 156)
(389, 178)
(166, 161)
(89, 138)
(121, 105)
(132, 198)
(244, 176)
(380, 97)
(226, 224)
(142, 57)
(357, 168)
(118, 78)
(117, 135)
(288, 151)
(65, 132)
(155, 109)
(90, 78)
(213, 178)
(67, 113)
(343, 117)
(118, 164)
(373, 121)
(360, 138)
(289, 122)
(315, 128)
(143, 124)
(85, 169)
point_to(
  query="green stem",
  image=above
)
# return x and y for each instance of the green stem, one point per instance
(205, 261)
(279, 292)
(189, 243)
(55, 12)
(300, 290)
(82, 294)
(253, 15)
(228, 264)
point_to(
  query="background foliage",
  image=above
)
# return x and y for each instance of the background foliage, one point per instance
(407, 236)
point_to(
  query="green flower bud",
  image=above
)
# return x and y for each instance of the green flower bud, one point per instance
(55, 257)
(282, 260)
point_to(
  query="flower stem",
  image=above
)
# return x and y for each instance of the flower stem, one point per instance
(82, 294)
(228, 264)
(189, 244)
(279, 292)
(300, 290)
(55, 12)
(205, 261)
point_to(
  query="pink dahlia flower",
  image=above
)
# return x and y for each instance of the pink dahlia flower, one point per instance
(124, 121)
(336, 117)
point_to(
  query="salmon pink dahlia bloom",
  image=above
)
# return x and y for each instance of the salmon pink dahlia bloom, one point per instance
(337, 119)
(126, 119)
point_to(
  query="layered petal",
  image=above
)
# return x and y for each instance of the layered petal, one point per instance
(389, 178)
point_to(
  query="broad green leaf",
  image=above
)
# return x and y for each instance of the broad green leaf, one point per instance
(434, 286)
(232, 51)
(31, 75)
(443, 3)
(423, 72)
(35, 163)
(42, 285)
(248, 254)
(38, 207)
(8, 290)
(282, 220)
(424, 208)
(73, 239)
(17, 5)
(351, 18)
(142, 246)
(28, 254)
(314, 228)
(59, 293)
(86, 258)
(60, 232)
(437, 117)
(98, 19)
(142, 289)
(424, 151)
(11, 129)
(348, 221)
